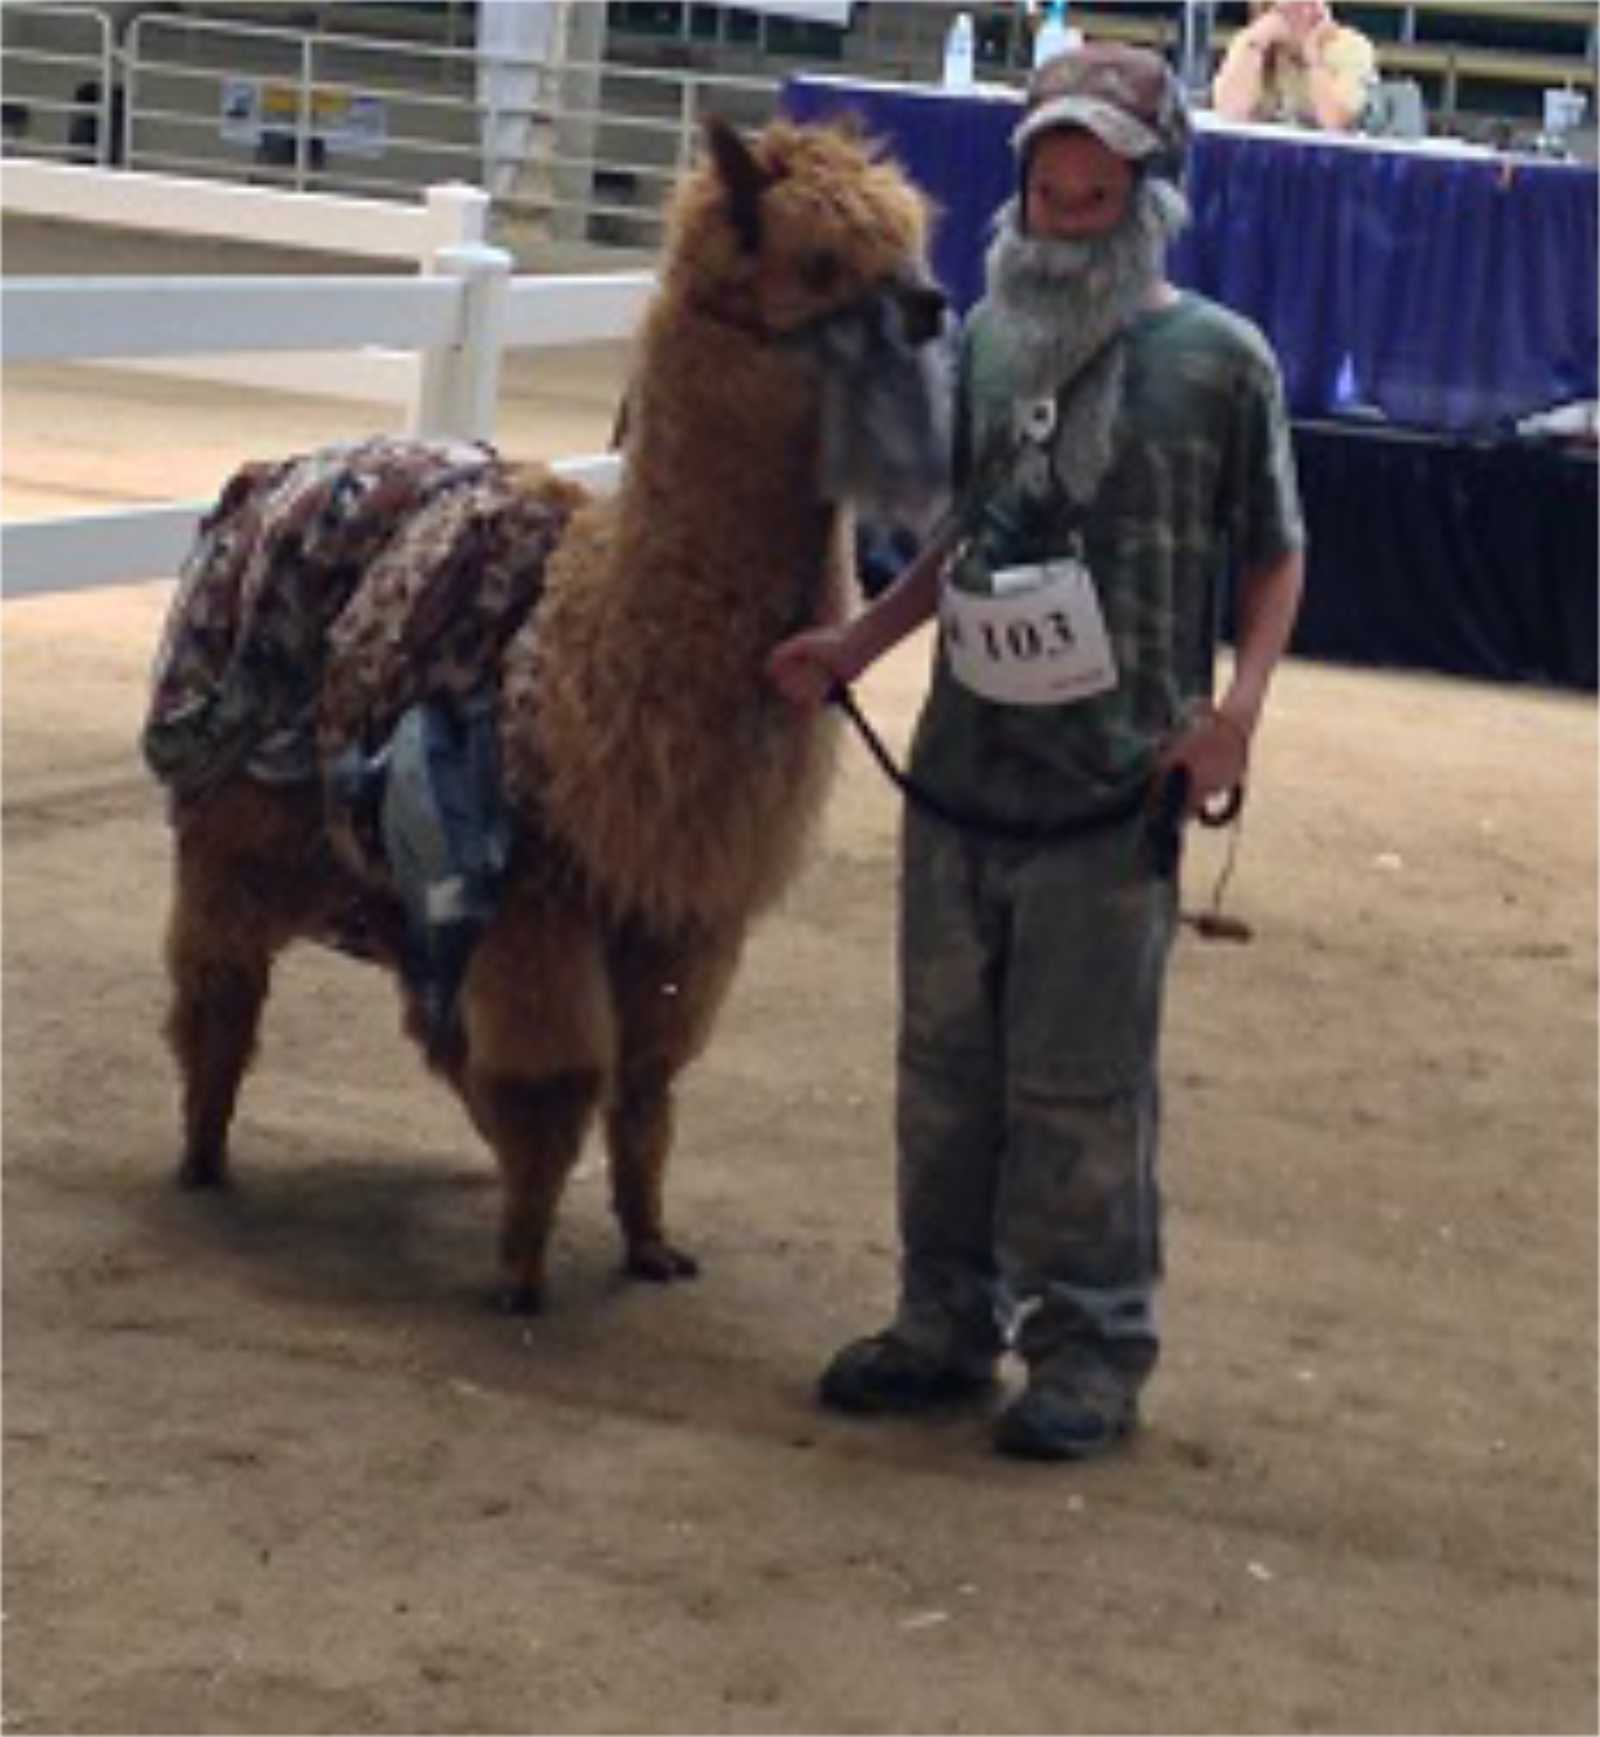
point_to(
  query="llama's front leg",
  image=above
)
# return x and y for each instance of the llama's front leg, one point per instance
(536, 1128)
(639, 1126)
(667, 992)
(536, 1038)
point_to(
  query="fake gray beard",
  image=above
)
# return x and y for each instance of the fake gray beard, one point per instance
(1060, 302)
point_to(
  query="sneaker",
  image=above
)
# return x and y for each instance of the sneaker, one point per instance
(884, 1373)
(1059, 1423)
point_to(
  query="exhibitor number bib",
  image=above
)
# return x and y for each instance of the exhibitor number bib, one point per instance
(1040, 640)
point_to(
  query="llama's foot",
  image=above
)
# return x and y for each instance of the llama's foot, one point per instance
(655, 1258)
(203, 1169)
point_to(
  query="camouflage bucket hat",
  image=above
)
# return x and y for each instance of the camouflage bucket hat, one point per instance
(1124, 95)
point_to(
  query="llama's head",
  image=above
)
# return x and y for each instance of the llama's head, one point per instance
(800, 221)
(806, 239)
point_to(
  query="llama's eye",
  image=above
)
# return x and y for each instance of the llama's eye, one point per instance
(819, 271)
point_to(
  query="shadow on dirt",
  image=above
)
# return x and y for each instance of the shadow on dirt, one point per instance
(387, 1263)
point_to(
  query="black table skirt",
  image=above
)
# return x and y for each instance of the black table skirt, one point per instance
(1467, 558)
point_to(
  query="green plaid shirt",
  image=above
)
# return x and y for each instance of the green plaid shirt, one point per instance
(1201, 486)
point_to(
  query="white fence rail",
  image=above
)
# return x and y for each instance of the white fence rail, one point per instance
(87, 549)
(41, 556)
(51, 319)
(458, 319)
(449, 215)
(227, 211)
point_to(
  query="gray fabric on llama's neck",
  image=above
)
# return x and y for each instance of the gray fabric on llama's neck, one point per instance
(886, 412)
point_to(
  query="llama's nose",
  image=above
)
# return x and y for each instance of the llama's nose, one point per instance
(923, 307)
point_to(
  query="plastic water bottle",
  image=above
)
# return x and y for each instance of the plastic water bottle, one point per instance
(1194, 61)
(959, 54)
(1054, 36)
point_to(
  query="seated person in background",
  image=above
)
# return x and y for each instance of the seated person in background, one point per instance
(1292, 63)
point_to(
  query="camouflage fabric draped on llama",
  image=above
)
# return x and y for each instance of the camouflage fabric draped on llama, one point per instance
(328, 593)
(342, 618)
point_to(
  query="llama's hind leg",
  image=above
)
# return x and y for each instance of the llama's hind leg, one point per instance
(216, 1009)
(667, 996)
(220, 966)
(245, 879)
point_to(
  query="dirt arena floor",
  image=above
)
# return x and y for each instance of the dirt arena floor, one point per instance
(271, 1467)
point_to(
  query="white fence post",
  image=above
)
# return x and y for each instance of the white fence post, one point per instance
(457, 216)
(458, 386)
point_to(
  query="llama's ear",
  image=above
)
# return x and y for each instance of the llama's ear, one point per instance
(743, 178)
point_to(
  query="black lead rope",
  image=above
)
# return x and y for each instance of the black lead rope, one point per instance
(1166, 812)
(991, 826)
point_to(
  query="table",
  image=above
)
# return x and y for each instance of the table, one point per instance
(1444, 287)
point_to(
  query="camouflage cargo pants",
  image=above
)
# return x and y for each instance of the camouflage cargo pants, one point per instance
(1028, 1103)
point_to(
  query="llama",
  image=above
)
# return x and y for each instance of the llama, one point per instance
(658, 793)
